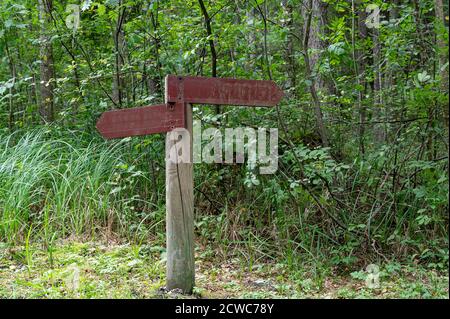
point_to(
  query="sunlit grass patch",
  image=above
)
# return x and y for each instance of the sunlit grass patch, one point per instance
(82, 270)
(102, 270)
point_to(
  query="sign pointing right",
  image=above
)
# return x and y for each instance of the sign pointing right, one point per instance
(224, 91)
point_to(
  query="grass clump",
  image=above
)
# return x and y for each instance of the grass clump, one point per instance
(59, 187)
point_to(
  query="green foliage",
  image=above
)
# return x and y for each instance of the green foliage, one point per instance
(65, 185)
(378, 192)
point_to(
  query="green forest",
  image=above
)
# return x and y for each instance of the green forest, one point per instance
(360, 194)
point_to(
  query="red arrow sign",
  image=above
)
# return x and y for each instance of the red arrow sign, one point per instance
(229, 91)
(179, 91)
(141, 120)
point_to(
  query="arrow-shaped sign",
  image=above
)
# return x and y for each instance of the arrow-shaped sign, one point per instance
(204, 90)
(141, 120)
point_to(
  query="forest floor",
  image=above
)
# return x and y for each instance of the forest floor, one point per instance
(74, 269)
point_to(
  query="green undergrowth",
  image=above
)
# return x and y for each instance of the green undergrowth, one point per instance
(120, 270)
(263, 237)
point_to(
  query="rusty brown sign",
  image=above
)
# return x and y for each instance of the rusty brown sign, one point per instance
(179, 91)
(223, 91)
(141, 120)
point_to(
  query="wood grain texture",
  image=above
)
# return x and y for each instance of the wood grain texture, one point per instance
(180, 217)
(140, 120)
(222, 91)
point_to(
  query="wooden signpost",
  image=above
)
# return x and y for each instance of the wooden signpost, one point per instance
(181, 93)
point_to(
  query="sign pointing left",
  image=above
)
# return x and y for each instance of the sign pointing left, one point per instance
(141, 120)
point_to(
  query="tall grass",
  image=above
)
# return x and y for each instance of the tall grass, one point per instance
(60, 185)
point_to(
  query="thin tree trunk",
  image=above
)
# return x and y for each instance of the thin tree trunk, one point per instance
(157, 45)
(253, 43)
(312, 40)
(391, 80)
(377, 100)
(46, 108)
(12, 69)
(443, 54)
(212, 47)
(291, 65)
(118, 83)
(360, 69)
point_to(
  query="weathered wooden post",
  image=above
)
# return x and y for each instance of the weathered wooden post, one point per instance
(180, 214)
(180, 270)
(176, 113)
(180, 210)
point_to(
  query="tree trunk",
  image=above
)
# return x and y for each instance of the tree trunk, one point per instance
(360, 70)
(443, 53)
(291, 65)
(118, 82)
(47, 81)
(377, 99)
(393, 112)
(314, 25)
(12, 69)
(212, 47)
(157, 45)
